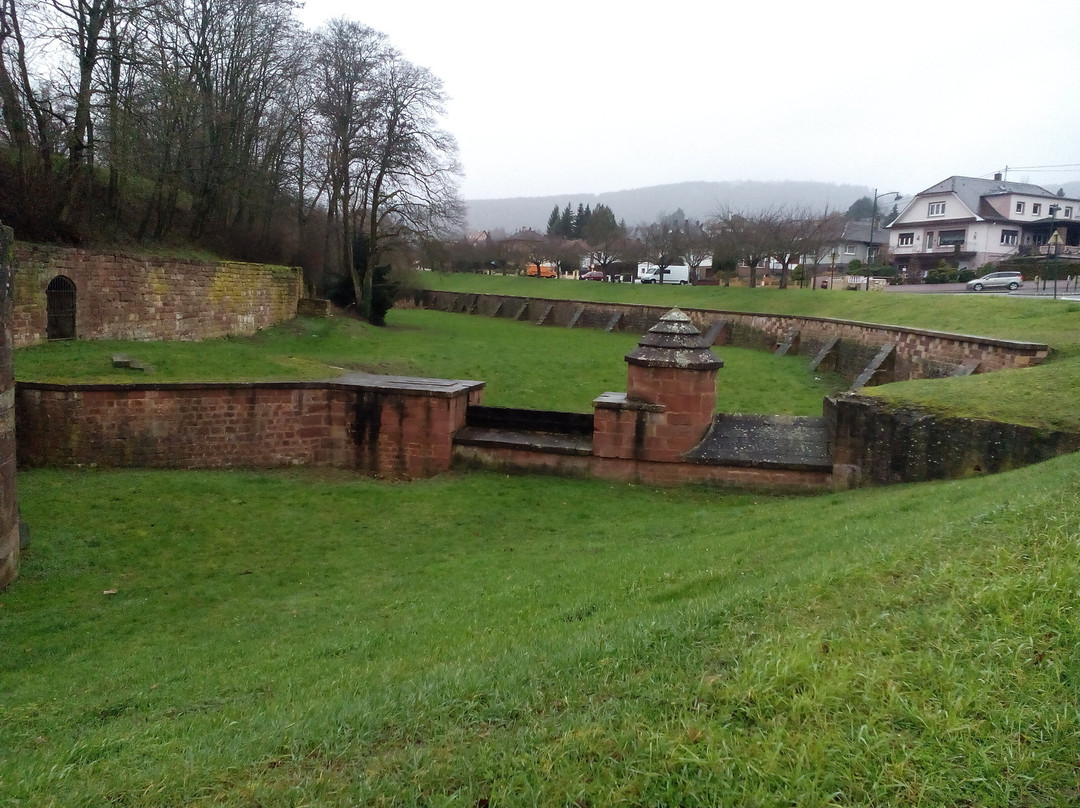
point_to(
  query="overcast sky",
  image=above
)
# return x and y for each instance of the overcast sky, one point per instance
(560, 97)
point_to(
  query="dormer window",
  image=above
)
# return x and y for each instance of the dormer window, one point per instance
(1068, 213)
(1036, 208)
(1019, 207)
(936, 209)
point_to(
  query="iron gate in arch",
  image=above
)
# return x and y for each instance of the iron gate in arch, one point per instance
(60, 308)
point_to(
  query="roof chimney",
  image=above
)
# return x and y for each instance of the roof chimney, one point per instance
(997, 177)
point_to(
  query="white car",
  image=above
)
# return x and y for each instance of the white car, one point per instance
(996, 280)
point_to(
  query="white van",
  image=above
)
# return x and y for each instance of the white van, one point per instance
(677, 273)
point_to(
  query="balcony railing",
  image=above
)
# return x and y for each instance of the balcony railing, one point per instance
(1062, 249)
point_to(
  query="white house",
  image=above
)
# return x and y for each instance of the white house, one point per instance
(971, 222)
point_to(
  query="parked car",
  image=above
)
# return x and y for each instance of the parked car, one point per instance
(996, 280)
(592, 275)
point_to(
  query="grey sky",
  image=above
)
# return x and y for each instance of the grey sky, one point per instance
(561, 97)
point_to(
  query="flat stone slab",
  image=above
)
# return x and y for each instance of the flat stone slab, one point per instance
(528, 441)
(766, 441)
(120, 360)
(375, 381)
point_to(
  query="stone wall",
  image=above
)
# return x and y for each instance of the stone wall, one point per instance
(629, 470)
(387, 426)
(9, 509)
(877, 444)
(122, 296)
(919, 353)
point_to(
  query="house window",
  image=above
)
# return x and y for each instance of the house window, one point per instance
(1019, 207)
(949, 238)
(906, 239)
(849, 249)
(1068, 213)
(1010, 237)
(936, 209)
(1036, 208)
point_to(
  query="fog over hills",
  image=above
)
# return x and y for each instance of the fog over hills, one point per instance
(698, 200)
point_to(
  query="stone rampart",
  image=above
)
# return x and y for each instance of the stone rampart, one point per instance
(874, 443)
(133, 297)
(919, 353)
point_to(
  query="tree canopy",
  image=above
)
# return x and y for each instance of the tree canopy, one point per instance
(221, 123)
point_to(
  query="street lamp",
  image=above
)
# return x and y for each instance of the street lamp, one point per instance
(873, 220)
(1055, 239)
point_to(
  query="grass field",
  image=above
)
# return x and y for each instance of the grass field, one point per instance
(234, 639)
(522, 365)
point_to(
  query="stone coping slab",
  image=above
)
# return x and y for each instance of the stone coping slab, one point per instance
(620, 401)
(766, 441)
(548, 442)
(440, 388)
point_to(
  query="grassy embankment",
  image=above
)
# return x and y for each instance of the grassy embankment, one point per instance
(235, 639)
(1044, 396)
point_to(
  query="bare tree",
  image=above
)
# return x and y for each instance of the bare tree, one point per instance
(347, 55)
(662, 241)
(822, 239)
(696, 248)
(411, 170)
(748, 236)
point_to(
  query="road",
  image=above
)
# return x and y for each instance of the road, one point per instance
(1028, 290)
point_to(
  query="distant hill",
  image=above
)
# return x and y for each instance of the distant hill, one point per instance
(698, 200)
(1071, 189)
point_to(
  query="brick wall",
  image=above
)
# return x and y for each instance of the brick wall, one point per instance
(9, 513)
(149, 298)
(645, 472)
(380, 425)
(920, 353)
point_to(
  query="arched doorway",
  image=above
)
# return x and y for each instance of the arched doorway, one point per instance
(60, 308)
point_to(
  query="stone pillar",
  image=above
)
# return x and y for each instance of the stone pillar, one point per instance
(9, 513)
(670, 396)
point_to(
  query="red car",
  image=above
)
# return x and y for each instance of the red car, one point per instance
(592, 275)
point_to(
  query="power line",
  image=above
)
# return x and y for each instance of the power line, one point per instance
(1044, 168)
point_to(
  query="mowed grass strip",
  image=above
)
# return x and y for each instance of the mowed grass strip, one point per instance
(521, 364)
(238, 639)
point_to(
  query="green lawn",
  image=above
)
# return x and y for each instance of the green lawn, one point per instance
(522, 365)
(321, 640)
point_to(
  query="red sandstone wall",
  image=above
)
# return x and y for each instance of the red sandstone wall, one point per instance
(380, 429)
(644, 472)
(149, 298)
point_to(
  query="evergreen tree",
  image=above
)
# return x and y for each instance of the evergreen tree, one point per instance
(553, 222)
(862, 208)
(579, 221)
(566, 221)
